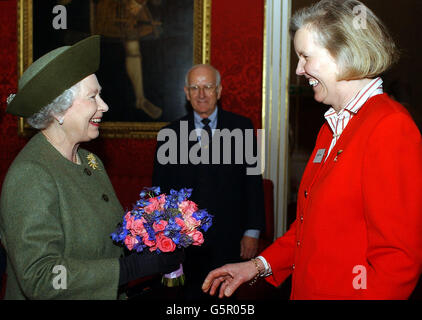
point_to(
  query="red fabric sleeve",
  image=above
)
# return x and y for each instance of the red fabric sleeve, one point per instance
(280, 256)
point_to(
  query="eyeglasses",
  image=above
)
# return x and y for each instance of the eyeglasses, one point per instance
(208, 88)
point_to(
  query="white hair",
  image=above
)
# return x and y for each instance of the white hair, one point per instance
(45, 116)
(217, 73)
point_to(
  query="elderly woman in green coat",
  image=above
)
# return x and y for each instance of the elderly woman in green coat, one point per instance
(58, 207)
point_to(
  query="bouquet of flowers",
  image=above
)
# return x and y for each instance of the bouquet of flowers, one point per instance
(162, 223)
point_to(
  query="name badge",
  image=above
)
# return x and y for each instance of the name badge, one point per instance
(319, 155)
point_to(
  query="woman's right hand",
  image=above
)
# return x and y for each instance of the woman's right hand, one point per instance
(229, 277)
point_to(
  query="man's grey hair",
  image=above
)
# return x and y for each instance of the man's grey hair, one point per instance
(217, 73)
(45, 116)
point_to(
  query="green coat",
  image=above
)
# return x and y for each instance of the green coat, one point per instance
(57, 213)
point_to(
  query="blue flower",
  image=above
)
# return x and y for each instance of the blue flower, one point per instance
(181, 195)
(172, 227)
(176, 238)
(120, 234)
(150, 231)
(157, 215)
(185, 241)
(150, 192)
(205, 217)
(172, 230)
(206, 224)
(172, 200)
(187, 192)
(139, 247)
(200, 214)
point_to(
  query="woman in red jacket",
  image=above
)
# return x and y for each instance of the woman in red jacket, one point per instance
(358, 231)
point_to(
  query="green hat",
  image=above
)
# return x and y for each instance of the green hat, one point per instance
(52, 74)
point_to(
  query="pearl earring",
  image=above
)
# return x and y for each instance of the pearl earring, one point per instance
(61, 120)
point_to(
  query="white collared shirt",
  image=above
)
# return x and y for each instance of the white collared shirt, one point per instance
(339, 121)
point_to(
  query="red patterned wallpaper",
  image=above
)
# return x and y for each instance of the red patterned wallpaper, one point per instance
(236, 50)
(10, 143)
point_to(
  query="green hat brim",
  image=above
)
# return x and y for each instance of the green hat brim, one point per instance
(52, 74)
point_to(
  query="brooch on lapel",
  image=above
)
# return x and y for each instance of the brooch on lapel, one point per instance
(337, 155)
(10, 98)
(92, 162)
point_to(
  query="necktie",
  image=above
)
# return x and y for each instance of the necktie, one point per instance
(207, 128)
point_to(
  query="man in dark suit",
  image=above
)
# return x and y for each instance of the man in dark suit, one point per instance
(217, 168)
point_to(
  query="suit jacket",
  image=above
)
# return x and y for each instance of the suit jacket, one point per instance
(357, 234)
(56, 213)
(234, 198)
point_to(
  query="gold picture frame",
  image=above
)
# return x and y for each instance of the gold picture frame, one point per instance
(111, 129)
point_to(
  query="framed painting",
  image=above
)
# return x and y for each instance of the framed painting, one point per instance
(147, 46)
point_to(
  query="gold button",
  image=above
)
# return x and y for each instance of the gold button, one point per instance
(306, 194)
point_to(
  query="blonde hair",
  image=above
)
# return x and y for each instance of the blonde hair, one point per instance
(362, 48)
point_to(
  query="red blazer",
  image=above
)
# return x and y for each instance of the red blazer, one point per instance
(358, 230)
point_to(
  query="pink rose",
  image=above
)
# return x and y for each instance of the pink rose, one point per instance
(138, 228)
(130, 242)
(181, 223)
(165, 244)
(148, 242)
(129, 220)
(188, 207)
(197, 237)
(160, 226)
(162, 201)
(191, 223)
(154, 204)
